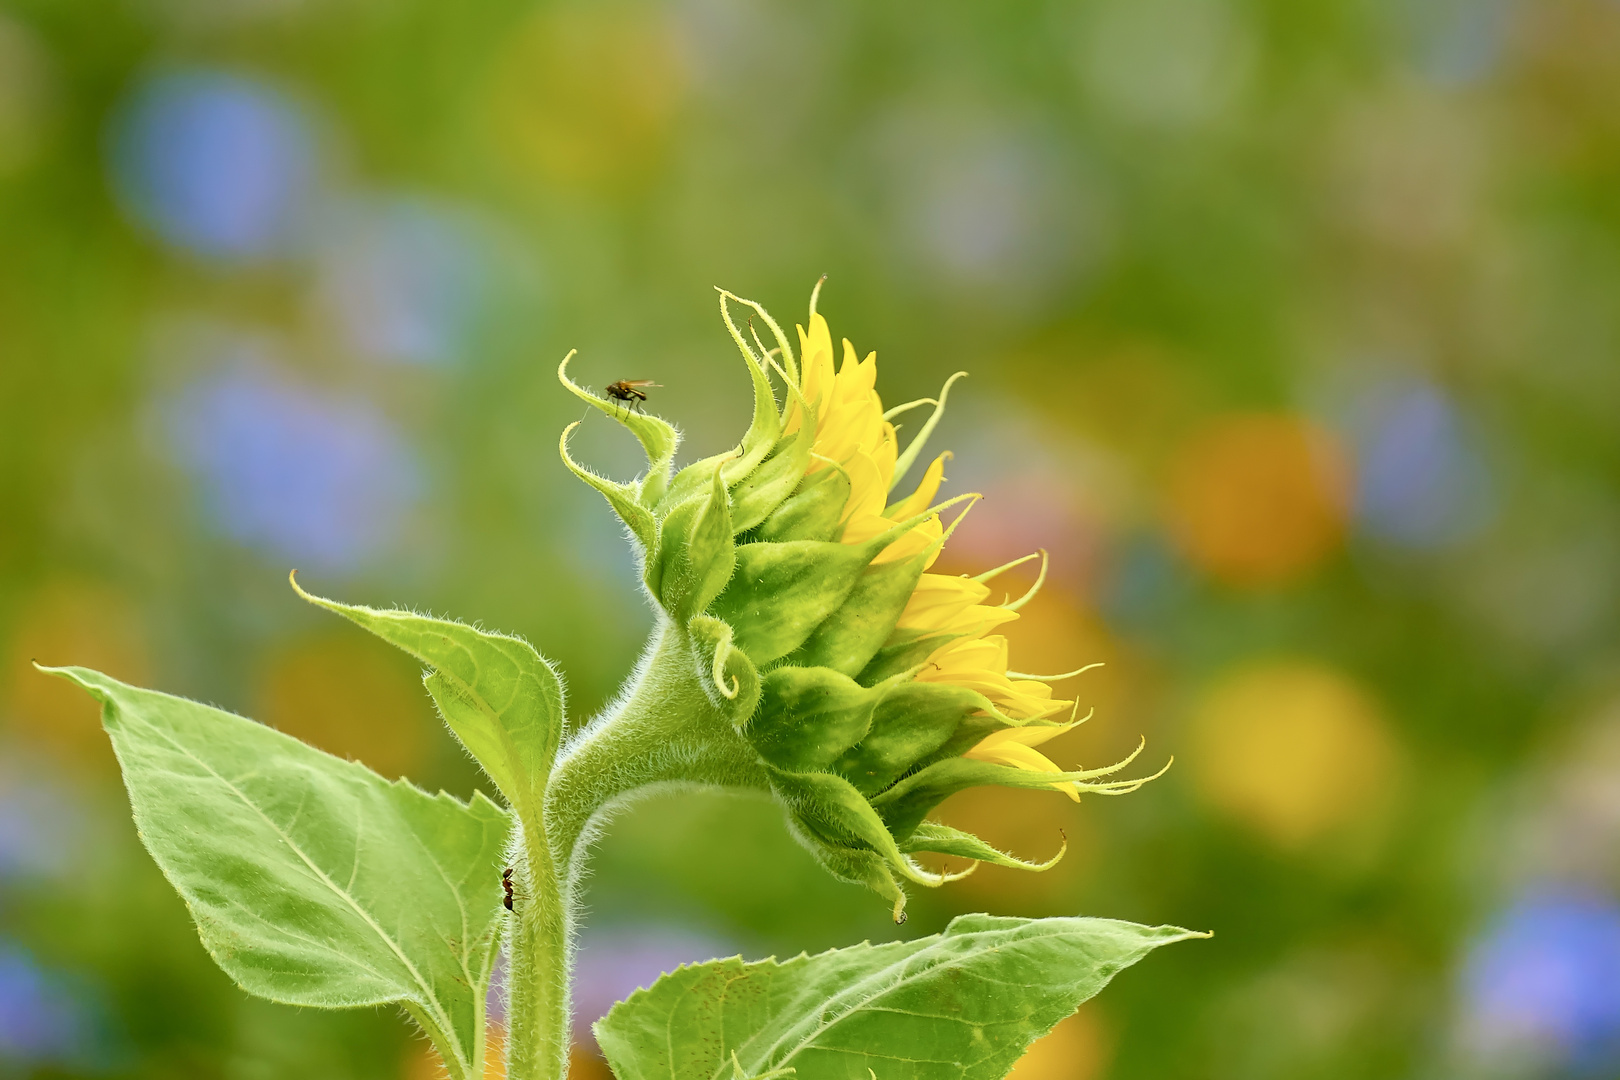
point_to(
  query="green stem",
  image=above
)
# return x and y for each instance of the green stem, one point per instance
(662, 731)
(538, 979)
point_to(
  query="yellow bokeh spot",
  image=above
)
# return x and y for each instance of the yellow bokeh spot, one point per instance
(1293, 749)
(70, 623)
(586, 96)
(1258, 499)
(1077, 1049)
(349, 696)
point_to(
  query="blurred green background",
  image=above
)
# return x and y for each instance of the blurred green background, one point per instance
(1293, 334)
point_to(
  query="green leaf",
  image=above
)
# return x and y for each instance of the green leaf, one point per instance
(499, 696)
(962, 1005)
(312, 880)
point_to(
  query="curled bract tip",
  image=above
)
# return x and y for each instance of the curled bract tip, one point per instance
(1040, 579)
(292, 579)
(719, 674)
(1125, 787)
(945, 878)
(1063, 849)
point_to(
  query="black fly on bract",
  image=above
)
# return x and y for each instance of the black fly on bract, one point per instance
(629, 391)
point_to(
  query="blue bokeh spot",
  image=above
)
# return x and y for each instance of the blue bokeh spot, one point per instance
(304, 476)
(1421, 480)
(217, 164)
(1546, 973)
(406, 279)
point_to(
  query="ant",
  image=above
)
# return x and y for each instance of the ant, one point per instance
(629, 392)
(506, 883)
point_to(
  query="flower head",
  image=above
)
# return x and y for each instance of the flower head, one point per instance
(868, 688)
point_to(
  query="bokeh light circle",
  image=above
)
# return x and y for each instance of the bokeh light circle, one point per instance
(1293, 749)
(215, 163)
(1258, 499)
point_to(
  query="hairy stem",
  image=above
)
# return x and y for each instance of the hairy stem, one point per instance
(538, 980)
(663, 730)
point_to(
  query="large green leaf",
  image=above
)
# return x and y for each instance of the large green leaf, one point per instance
(312, 880)
(961, 1005)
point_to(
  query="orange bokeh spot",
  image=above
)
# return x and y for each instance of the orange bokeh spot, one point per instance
(350, 696)
(1294, 749)
(71, 623)
(1259, 499)
(1077, 1049)
(585, 96)
(422, 1062)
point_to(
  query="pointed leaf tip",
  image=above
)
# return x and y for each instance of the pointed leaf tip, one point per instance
(495, 692)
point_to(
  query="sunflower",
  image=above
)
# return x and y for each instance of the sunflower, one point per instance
(835, 669)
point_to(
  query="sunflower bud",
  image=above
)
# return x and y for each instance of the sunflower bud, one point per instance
(863, 689)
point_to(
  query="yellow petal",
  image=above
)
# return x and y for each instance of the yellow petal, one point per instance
(866, 492)
(940, 600)
(1031, 735)
(998, 749)
(850, 431)
(888, 449)
(816, 371)
(923, 497)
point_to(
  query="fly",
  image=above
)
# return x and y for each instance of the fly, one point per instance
(629, 391)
